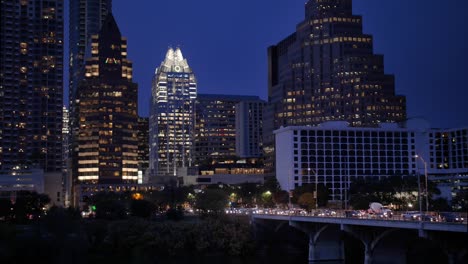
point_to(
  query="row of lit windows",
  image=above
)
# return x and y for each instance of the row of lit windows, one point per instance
(338, 40)
(335, 19)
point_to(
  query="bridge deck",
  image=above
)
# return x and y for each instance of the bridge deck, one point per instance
(388, 223)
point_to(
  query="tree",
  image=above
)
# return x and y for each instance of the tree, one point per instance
(281, 197)
(141, 208)
(61, 221)
(5, 208)
(266, 200)
(110, 205)
(460, 201)
(212, 201)
(29, 205)
(247, 193)
(322, 193)
(110, 209)
(307, 201)
(440, 204)
(271, 184)
(398, 190)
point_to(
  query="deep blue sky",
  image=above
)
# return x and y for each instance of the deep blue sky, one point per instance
(424, 42)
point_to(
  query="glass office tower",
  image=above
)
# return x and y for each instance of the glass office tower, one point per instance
(107, 141)
(327, 71)
(172, 115)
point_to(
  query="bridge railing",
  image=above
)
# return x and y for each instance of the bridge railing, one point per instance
(394, 216)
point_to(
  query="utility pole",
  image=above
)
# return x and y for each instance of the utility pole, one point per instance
(419, 197)
(425, 176)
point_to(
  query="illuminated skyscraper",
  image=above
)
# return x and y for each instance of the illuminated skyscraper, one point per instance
(327, 71)
(31, 84)
(220, 119)
(107, 143)
(172, 115)
(86, 19)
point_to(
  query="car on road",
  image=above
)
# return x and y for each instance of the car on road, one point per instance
(325, 212)
(354, 213)
(428, 218)
(411, 215)
(451, 217)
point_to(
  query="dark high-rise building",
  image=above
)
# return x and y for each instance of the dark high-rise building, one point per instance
(172, 115)
(215, 126)
(86, 19)
(249, 128)
(327, 71)
(31, 84)
(107, 143)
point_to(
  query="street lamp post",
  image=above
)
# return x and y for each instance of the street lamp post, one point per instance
(316, 186)
(425, 175)
(289, 190)
(419, 196)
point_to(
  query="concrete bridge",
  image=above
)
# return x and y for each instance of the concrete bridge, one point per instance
(384, 240)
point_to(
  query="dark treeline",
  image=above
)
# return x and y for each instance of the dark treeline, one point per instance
(62, 236)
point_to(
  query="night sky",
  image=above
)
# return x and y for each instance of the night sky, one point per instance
(225, 42)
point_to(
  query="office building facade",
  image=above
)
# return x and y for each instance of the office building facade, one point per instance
(107, 142)
(335, 153)
(447, 160)
(172, 115)
(249, 128)
(31, 84)
(327, 71)
(219, 122)
(86, 19)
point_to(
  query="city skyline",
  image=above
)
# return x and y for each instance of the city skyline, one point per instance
(246, 36)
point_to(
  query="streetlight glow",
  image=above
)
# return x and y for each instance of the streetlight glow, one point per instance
(425, 176)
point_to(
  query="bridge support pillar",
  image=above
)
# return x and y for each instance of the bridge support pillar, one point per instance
(390, 251)
(325, 242)
(367, 253)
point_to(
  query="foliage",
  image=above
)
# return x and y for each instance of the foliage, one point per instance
(61, 221)
(460, 201)
(212, 201)
(171, 196)
(271, 184)
(399, 191)
(248, 193)
(29, 205)
(133, 237)
(281, 197)
(175, 214)
(307, 201)
(110, 205)
(322, 192)
(5, 208)
(266, 200)
(440, 204)
(141, 208)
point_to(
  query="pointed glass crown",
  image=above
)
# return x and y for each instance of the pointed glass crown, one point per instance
(174, 62)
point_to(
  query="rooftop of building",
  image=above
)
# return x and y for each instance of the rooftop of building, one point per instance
(409, 125)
